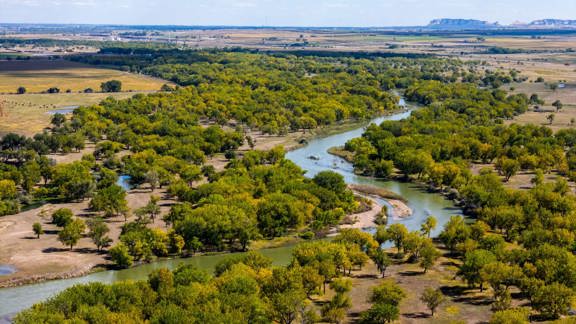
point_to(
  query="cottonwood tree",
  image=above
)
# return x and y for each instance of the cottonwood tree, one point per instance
(382, 261)
(71, 233)
(432, 298)
(37, 228)
(429, 225)
(97, 232)
(110, 200)
(428, 256)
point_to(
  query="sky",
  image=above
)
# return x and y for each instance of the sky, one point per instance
(353, 13)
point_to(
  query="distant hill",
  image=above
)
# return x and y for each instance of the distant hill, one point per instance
(554, 23)
(447, 23)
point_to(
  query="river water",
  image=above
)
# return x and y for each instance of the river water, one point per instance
(422, 203)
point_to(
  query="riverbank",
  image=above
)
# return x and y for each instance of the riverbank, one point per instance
(366, 219)
(398, 203)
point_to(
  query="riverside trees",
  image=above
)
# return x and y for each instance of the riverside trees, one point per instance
(243, 289)
(260, 195)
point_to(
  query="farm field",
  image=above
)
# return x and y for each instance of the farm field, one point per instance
(38, 75)
(29, 114)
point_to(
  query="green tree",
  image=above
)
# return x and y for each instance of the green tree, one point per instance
(397, 233)
(58, 119)
(110, 200)
(553, 300)
(429, 254)
(511, 316)
(97, 232)
(111, 86)
(558, 105)
(73, 181)
(121, 256)
(455, 231)
(331, 181)
(429, 225)
(62, 217)
(71, 233)
(382, 261)
(432, 298)
(37, 228)
(474, 261)
(508, 167)
(388, 292)
(380, 313)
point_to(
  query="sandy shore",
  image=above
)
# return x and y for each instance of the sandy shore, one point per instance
(399, 209)
(366, 219)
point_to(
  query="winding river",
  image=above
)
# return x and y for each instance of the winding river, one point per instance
(422, 203)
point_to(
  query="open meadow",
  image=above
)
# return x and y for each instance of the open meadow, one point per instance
(29, 114)
(38, 75)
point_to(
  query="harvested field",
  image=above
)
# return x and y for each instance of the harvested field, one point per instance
(38, 75)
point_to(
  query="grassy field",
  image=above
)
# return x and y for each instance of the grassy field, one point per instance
(38, 75)
(29, 114)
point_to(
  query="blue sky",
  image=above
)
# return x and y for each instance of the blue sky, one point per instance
(279, 12)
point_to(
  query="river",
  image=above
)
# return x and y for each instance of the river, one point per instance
(422, 203)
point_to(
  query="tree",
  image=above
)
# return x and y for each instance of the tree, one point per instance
(331, 181)
(175, 242)
(511, 316)
(428, 256)
(558, 104)
(73, 181)
(551, 118)
(429, 225)
(97, 232)
(474, 262)
(380, 313)
(388, 292)
(111, 86)
(58, 119)
(153, 178)
(553, 86)
(110, 200)
(37, 228)
(72, 233)
(311, 280)
(121, 256)
(553, 300)
(62, 217)
(382, 261)
(397, 233)
(508, 167)
(21, 90)
(166, 88)
(455, 231)
(432, 298)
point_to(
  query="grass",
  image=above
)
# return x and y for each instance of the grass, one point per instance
(38, 75)
(342, 153)
(376, 191)
(28, 114)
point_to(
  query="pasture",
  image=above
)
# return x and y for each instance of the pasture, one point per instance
(38, 75)
(28, 114)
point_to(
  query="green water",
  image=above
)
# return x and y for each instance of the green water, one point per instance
(422, 203)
